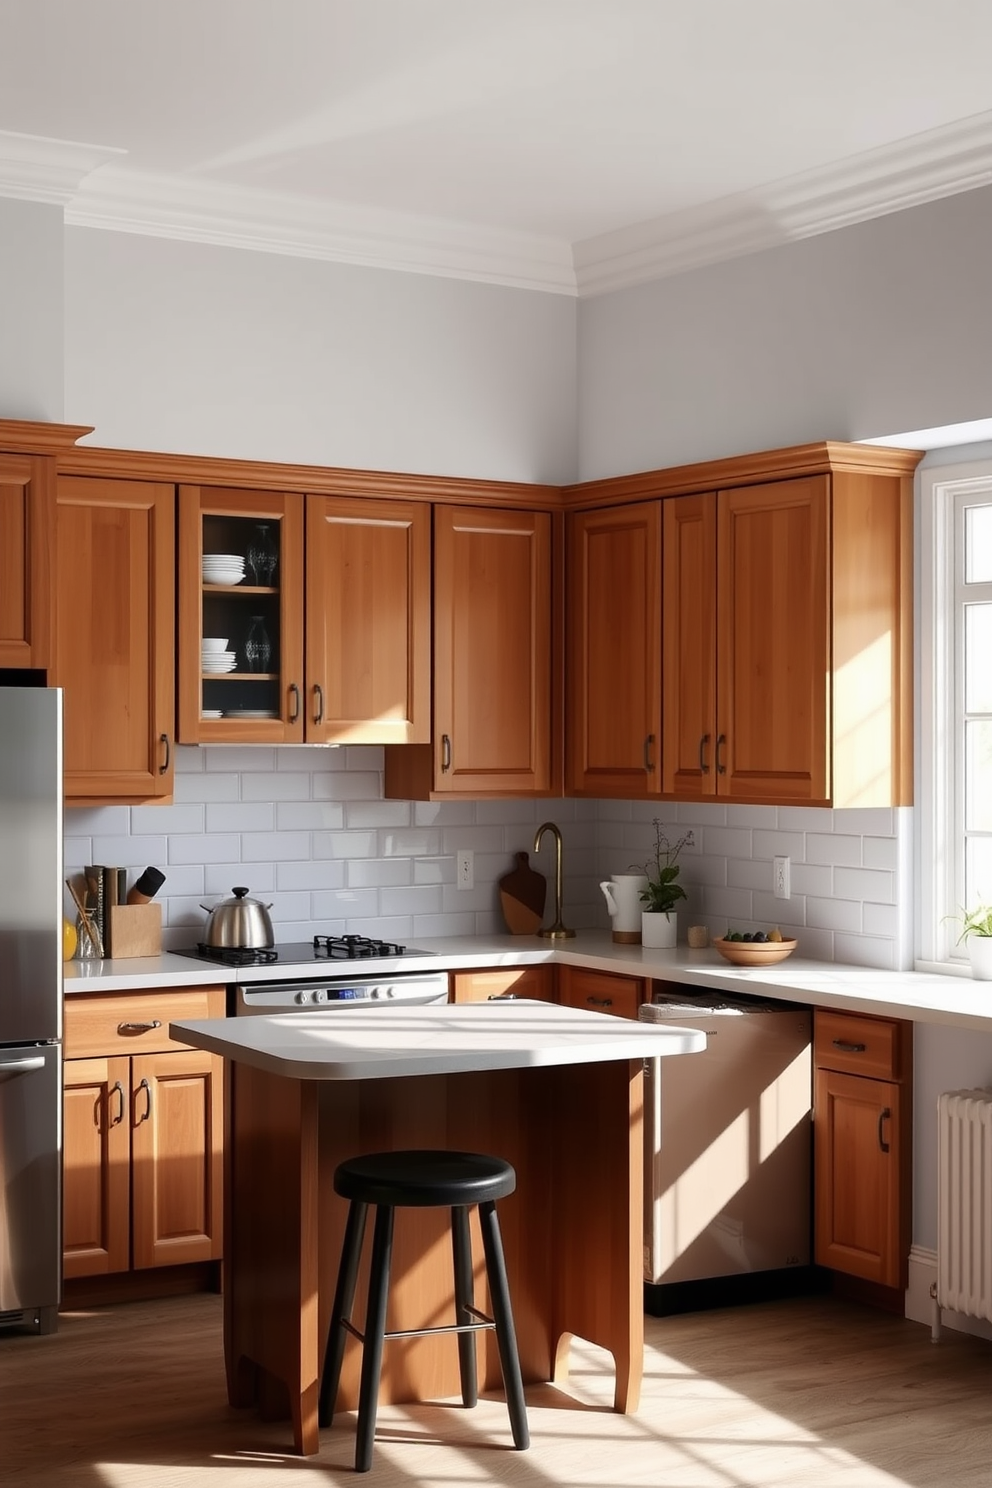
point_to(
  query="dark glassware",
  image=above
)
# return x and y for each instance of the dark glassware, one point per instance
(258, 647)
(262, 556)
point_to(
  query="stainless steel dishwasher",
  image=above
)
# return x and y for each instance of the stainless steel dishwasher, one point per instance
(727, 1156)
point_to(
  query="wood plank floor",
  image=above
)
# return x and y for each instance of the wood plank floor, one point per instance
(813, 1392)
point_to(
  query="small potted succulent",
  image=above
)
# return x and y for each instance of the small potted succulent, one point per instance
(659, 922)
(977, 931)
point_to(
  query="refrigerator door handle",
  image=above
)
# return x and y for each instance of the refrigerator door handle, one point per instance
(21, 1066)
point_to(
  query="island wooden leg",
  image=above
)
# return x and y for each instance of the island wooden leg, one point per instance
(270, 1298)
(599, 1217)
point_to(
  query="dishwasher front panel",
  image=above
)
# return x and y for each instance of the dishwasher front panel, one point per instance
(728, 1135)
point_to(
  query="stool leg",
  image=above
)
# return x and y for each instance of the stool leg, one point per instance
(375, 1327)
(344, 1296)
(506, 1337)
(461, 1247)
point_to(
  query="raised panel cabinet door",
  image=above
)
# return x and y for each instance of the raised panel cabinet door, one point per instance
(857, 1159)
(492, 650)
(773, 640)
(613, 652)
(260, 697)
(96, 1167)
(368, 621)
(115, 636)
(176, 1156)
(600, 991)
(689, 733)
(27, 534)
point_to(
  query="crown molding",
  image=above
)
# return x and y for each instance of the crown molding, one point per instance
(941, 162)
(47, 170)
(233, 217)
(98, 192)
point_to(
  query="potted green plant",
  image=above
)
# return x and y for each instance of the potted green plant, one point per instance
(659, 922)
(976, 929)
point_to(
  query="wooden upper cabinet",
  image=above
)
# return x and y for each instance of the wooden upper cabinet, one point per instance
(27, 535)
(114, 653)
(492, 660)
(259, 696)
(337, 589)
(613, 651)
(787, 625)
(368, 621)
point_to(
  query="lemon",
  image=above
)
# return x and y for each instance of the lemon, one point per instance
(69, 940)
(775, 934)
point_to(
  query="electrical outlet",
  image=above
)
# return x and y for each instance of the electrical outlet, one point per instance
(465, 868)
(780, 879)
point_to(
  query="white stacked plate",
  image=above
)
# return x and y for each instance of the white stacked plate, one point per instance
(254, 713)
(211, 713)
(223, 568)
(218, 661)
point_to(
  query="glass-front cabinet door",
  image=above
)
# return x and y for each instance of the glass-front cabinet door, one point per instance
(240, 616)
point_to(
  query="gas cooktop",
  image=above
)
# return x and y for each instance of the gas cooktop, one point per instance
(321, 949)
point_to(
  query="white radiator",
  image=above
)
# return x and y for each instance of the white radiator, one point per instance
(964, 1205)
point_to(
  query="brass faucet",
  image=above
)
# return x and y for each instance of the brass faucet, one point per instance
(556, 931)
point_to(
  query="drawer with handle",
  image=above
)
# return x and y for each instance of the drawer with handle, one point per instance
(859, 1045)
(601, 991)
(133, 1022)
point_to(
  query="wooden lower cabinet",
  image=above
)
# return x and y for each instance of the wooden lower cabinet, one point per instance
(537, 982)
(863, 1142)
(143, 1137)
(601, 991)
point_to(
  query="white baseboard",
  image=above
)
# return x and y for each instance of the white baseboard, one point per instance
(919, 1307)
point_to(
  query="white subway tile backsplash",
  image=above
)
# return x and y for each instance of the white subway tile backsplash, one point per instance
(217, 848)
(240, 816)
(308, 830)
(844, 850)
(275, 787)
(834, 914)
(865, 883)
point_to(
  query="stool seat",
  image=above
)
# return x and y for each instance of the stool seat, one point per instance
(421, 1179)
(424, 1179)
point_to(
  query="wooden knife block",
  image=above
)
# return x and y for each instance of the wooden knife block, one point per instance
(135, 930)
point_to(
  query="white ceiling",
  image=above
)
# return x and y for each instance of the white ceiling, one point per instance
(567, 145)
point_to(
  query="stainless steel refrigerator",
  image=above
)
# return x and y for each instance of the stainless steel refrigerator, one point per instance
(30, 1006)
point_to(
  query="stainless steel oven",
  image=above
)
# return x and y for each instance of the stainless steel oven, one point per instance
(333, 993)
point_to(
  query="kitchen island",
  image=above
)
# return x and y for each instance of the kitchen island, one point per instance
(555, 1091)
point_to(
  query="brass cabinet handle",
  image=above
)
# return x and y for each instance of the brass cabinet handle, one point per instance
(721, 768)
(704, 744)
(318, 694)
(847, 1048)
(647, 753)
(294, 693)
(445, 753)
(117, 1089)
(163, 768)
(882, 1117)
(148, 1103)
(126, 1029)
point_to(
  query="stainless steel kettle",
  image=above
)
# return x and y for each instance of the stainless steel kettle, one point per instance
(239, 923)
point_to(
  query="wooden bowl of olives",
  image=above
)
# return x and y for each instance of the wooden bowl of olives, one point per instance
(754, 949)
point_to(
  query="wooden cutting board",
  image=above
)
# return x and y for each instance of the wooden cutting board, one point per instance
(521, 894)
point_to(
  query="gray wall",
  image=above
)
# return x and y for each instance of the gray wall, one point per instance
(31, 311)
(859, 333)
(206, 350)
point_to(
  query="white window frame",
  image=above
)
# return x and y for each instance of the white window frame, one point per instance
(944, 491)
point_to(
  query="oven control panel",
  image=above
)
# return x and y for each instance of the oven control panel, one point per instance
(342, 992)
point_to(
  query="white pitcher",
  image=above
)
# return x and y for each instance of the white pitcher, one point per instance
(623, 899)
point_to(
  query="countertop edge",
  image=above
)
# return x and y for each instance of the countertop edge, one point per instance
(922, 997)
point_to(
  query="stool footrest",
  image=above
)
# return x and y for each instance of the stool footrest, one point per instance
(479, 1327)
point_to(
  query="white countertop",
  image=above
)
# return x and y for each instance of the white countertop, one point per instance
(925, 998)
(354, 1044)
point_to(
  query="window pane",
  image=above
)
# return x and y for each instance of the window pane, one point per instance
(978, 658)
(978, 872)
(978, 544)
(978, 777)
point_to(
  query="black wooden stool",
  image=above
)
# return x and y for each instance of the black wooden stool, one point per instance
(392, 1180)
